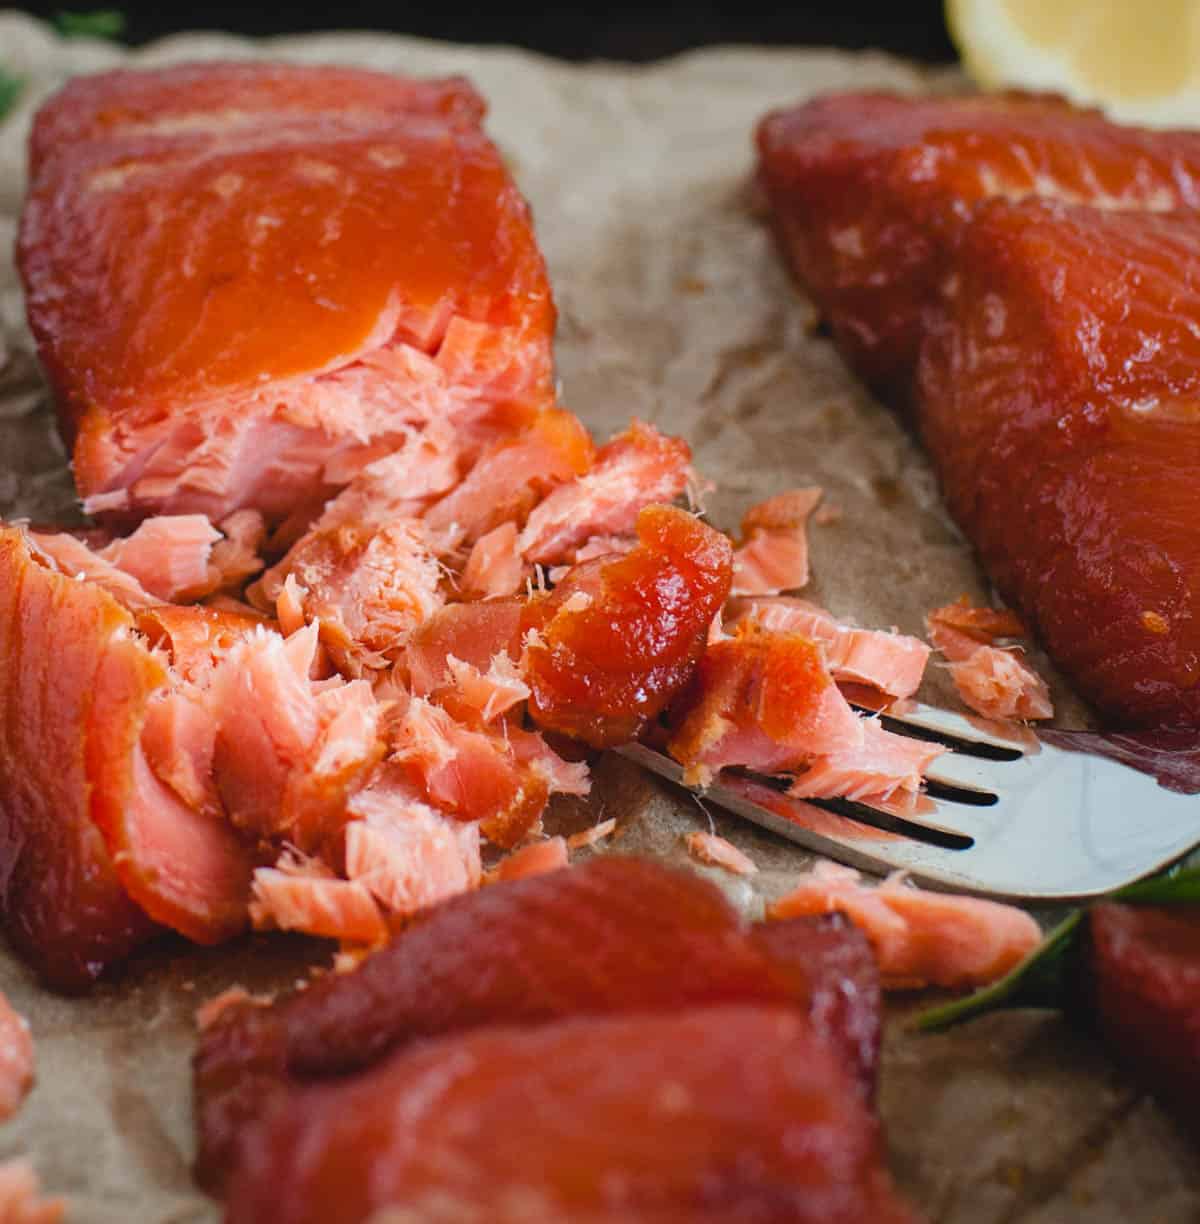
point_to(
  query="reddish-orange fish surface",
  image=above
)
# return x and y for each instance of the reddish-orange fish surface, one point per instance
(868, 192)
(710, 1115)
(239, 274)
(1058, 397)
(1144, 996)
(1009, 268)
(612, 935)
(65, 754)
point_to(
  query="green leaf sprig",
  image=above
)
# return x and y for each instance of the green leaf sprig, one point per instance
(98, 23)
(1041, 980)
(10, 90)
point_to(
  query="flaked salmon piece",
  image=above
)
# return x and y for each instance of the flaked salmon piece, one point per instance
(196, 639)
(509, 476)
(616, 639)
(985, 625)
(315, 905)
(491, 693)
(762, 700)
(992, 681)
(717, 1113)
(773, 555)
(885, 769)
(716, 851)
(236, 557)
(407, 855)
(892, 663)
(635, 469)
(367, 588)
(72, 558)
(65, 754)
(289, 753)
(473, 632)
(590, 837)
(169, 555)
(427, 298)
(920, 938)
(535, 858)
(209, 1011)
(494, 566)
(21, 1200)
(16, 1060)
(999, 684)
(468, 773)
(399, 483)
(498, 957)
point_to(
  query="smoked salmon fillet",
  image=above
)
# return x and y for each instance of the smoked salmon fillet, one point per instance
(1020, 276)
(716, 1114)
(614, 934)
(868, 192)
(249, 280)
(1058, 395)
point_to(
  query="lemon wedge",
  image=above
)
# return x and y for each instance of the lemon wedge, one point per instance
(1139, 62)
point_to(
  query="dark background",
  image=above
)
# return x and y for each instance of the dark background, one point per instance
(579, 31)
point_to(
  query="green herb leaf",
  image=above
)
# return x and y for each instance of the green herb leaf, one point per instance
(10, 90)
(1040, 980)
(99, 23)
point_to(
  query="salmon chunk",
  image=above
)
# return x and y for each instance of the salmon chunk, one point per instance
(1021, 277)
(714, 1114)
(497, 958)
(246, 278)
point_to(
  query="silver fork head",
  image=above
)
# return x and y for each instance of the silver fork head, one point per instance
(1008, 815)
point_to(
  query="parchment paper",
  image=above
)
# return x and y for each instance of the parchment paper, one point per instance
(675, 308)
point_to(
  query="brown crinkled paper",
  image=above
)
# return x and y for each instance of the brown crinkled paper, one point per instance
(674, 308)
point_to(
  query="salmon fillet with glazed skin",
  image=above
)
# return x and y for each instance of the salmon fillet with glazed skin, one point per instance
(868, 192)
(712, 1114)
(1045, 308)
(497, 959)
(243, 277)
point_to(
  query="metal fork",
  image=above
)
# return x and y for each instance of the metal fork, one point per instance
(1007, 814)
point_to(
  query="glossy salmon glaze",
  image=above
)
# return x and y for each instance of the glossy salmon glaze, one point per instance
(1143, 993)
(868, 192)
(1009, 269)
(715, 1114)
(239, 273)
(618, 637)
(497, 958)
(1057, 399)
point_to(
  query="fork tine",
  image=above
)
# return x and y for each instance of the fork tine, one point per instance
(975, 737)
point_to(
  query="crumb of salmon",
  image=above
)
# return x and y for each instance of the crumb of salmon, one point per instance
(773, 555)
(1156, 623)
(891, 663)
(991, 680)
(16, 1060)
(21, 1200)
(536, 858)
(589, 837)
(920, 938)
(715, 851)
(208, 1013)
